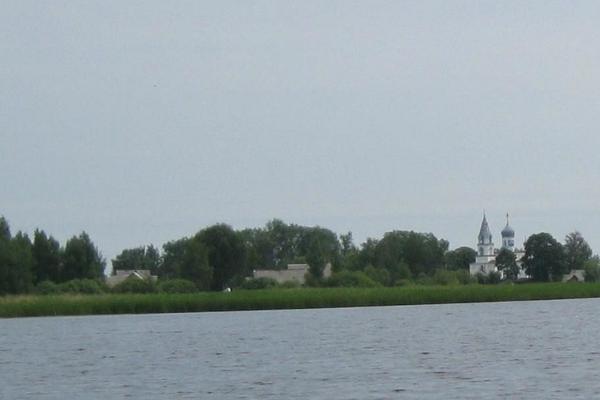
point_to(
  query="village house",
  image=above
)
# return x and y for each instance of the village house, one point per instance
(122, 274)
(293, 273)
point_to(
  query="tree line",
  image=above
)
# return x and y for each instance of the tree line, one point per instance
(24, 263)
(218, 256)
(546, 259)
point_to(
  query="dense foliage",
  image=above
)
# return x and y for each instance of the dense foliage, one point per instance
(592, 269)
(577, 251)
(544, 258)
(218, 257)
(25, 264)
(177, 286)
(144, 257)
(507, 261)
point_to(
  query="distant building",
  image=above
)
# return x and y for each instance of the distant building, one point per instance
(293, 273)
(122, 274)
(485, 261)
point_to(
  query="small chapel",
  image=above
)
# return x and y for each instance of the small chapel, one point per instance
(485, 261)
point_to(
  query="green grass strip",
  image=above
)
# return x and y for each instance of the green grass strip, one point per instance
(32, 306)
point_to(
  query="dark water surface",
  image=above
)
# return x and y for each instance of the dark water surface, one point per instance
(532, 350)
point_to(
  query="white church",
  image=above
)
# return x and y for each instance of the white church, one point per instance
(485, 261)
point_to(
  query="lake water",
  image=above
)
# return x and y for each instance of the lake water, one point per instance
(532, 350)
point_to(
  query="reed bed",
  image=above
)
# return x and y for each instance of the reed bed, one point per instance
(31, 306)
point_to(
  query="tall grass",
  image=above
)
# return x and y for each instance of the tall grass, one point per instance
(28, 306)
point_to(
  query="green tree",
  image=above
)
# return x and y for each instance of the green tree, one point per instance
(226, 254)
(349, 254)
(592, 269)
(23, 263)
(6, 256)
(321, 243)
(172, 259)
(544, 258)
(506, 261)
(138, 258)
(82, 259)
(283, 242)
(400, 272)
(422, 252)
(577, 251)
(187, 259)
(15, 264)
(346, 243)
(273, 246)
(46, 258)
(379, 275)
(279, 244)
(315, 258)
(195, 265)
(368, 255)
(460, 258)
(4, 229)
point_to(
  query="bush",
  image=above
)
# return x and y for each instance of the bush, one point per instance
(350, 279)
(259, 283)
(490, 279)
(464, 277)
(311, 281)
(177, 286)
(135, 285)
(444, 277)
(290, 285)
(47, 287)
(82, 286)
(461, 276)
(400, 271)
(494, 278)
(404, 282)
(379, 275)
(591, 270)
(423, 279)
(481, 278)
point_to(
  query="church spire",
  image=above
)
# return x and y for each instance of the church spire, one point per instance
(485, 236)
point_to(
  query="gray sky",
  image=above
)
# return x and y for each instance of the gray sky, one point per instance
(142, 122)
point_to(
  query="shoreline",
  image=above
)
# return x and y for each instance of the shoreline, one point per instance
(281, 299)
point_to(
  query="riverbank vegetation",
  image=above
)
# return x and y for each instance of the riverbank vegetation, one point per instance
(269, 299)
(219, 257)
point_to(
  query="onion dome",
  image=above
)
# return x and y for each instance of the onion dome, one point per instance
(508, 232)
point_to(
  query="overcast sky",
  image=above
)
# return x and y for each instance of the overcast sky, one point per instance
(142, 122)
